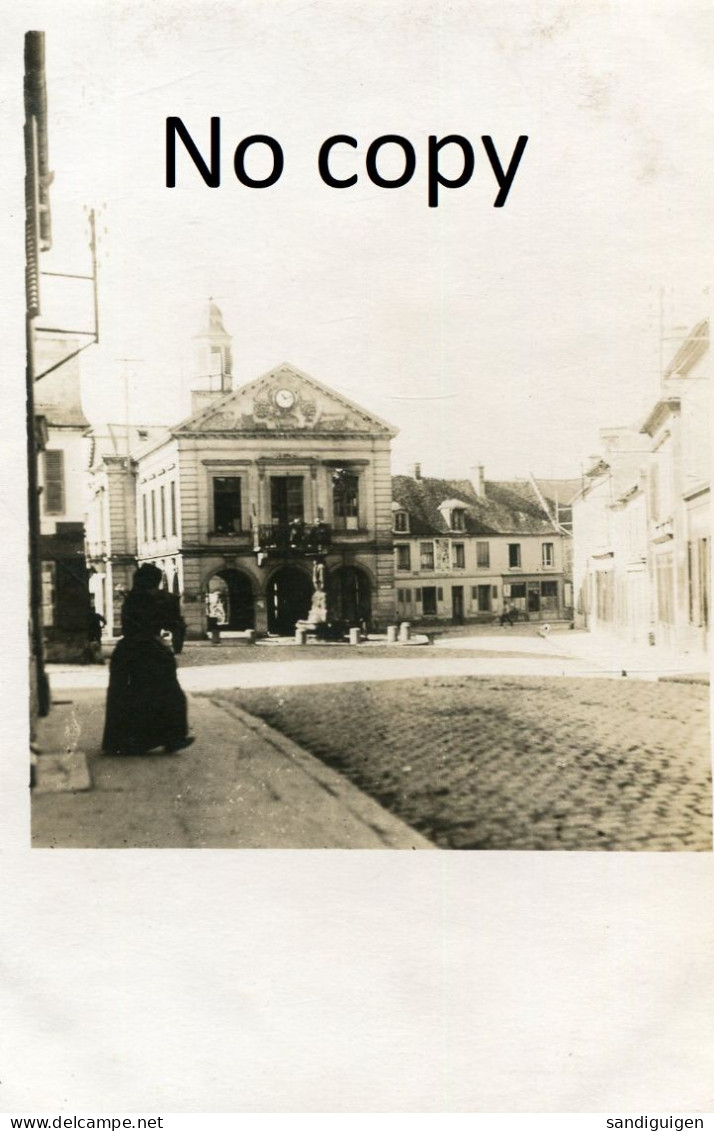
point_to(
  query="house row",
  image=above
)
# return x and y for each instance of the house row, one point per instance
(261, 482)
(642, 521)
(470, 551)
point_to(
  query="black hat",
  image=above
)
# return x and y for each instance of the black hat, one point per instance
(147, 577)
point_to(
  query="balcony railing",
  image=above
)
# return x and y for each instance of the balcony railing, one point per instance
(294, 539)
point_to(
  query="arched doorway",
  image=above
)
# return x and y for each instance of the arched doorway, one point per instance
(289, 597)
(236, 596)
(350, 596)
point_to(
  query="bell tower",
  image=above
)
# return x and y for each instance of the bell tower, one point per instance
(213, 359)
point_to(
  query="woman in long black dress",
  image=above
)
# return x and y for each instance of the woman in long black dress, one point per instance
(146, 707)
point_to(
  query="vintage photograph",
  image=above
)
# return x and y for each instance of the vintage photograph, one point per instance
(369, 429)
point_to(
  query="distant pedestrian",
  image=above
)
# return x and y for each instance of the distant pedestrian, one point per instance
(175, 622)
(506, 616)
(95, 624)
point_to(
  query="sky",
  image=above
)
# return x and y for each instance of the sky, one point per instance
(502, 336)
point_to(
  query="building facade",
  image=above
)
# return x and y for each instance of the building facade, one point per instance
(468, 551)
(61, 481)
(240, 501)
(642, 520)
(111, 534)
(243, 497)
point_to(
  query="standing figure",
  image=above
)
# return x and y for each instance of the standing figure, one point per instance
(95, 624)
(146, 707)
(176, 625)
(216, 616)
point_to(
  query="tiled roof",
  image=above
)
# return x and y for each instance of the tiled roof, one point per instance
(506, 507)
(62, 415)
(559, 494)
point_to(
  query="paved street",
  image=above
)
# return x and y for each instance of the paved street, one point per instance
(505, 763)
(486, 740)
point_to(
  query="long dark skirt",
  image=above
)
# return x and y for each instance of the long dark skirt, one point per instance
(145, 704)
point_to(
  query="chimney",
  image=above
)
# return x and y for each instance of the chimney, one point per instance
(417, 471)
(479, 481)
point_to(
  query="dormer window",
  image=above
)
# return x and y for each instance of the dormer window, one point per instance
(453, 513)
(401, 522)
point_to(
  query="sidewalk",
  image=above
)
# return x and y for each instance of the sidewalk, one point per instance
(241, 785)
(614, 656)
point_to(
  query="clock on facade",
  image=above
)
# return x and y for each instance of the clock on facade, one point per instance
(285, 398)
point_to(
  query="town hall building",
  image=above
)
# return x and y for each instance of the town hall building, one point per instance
(257, 485)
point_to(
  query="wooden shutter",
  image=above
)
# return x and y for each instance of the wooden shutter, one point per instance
(54, 482)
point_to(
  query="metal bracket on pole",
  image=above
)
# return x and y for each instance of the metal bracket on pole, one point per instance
(94, 334)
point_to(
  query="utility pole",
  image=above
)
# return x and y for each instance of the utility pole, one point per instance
(129, 486)
(38, 238)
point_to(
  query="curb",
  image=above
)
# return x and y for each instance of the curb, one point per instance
(700, 679)
(392, 830)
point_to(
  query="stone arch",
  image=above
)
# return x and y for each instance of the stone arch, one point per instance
(288, 594)
(237, 596)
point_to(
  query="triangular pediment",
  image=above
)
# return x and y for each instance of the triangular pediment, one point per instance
(282, 401)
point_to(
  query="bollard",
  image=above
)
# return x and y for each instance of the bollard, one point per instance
(392, 634)
(404, 632)
(354, 636)
(300, 636)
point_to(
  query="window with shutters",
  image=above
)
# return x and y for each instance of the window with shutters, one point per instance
(426, 555)
(53, 494)
(429, 601)
(403, 556)
(484, 598)
(458, 555)
(483, 556)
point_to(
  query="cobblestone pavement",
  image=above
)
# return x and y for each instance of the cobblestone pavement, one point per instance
(515, 763)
